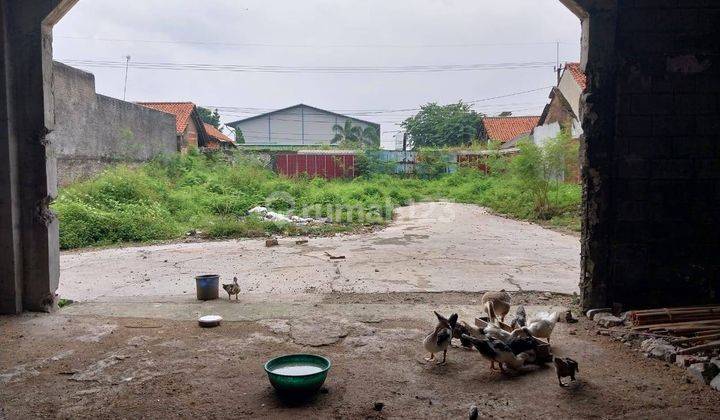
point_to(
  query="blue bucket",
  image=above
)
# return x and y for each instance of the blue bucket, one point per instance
(208, 286)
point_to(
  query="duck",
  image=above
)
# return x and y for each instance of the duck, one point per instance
(439, 340)
(520, 317)
(497, 352)
(232, 289)
(541, 325)
(496, 304)
(565, 367)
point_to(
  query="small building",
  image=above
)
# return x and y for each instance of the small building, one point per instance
(563, 111)
(507, 130)
(297, 125)
(217, 139)
(190, 129)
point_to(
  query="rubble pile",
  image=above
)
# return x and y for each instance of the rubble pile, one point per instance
(688, 337)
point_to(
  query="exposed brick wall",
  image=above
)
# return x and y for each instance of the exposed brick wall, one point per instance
(664, 191)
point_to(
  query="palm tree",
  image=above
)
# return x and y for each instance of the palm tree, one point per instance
(347, 133)
(371, 137)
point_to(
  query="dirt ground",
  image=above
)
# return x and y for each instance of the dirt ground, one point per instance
(435, 247)
(81, 366)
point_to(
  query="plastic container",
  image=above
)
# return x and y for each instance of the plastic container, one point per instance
(208, 286)
(297, 375)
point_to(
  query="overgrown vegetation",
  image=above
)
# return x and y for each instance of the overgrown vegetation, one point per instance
(439, 126)
(169, 197)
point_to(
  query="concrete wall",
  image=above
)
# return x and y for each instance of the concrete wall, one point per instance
(93, 130)
(293, 127)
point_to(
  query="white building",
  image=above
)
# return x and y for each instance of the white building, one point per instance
(297, 125)
(563, 111)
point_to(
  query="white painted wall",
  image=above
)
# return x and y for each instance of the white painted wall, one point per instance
(286, 128)
(571, 91)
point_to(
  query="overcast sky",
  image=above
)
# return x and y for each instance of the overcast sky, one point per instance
(384, 35)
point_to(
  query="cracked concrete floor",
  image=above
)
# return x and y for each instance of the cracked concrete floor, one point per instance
(78, 365)
(430, 247)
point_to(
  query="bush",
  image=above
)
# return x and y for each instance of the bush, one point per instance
(170, 196)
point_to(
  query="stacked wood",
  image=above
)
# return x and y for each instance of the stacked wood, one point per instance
(697, 326)
(668, 315)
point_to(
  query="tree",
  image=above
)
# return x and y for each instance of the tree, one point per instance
(346, 133)
(371, 137)
(443, 125)
(209, 117)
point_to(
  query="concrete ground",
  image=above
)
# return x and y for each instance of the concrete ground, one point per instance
(78, 364)
(131, 347)
(430, 247)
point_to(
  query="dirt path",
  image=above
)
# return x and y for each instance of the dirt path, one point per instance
(430, 247)
(72, 366)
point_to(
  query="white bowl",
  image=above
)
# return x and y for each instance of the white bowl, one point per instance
(209, 321)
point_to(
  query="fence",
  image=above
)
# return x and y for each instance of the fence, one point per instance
(327, 164)
(407, 162)
(323, 166)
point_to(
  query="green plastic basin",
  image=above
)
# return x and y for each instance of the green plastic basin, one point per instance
(297, 374)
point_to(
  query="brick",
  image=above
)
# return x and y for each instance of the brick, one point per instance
(632, 169)
(653, 104)
(696, 104)
(633, 126)
(672, 169)
(673, 126)
(708, 125)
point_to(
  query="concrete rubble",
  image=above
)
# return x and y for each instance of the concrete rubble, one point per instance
(272, 216)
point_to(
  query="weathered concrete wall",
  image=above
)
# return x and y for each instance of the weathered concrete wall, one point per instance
(93, 131)
(652, 158)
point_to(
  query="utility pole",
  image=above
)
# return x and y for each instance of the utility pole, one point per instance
(127, 66)
(558, 67)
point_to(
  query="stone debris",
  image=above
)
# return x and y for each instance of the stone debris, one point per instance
(703, 373)
(271, 243)
(658, 348)
(272, 216)
(592, 312)
(685, 360)
(607, 320)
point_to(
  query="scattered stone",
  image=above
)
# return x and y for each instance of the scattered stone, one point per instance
(658, 348)
(715, 383)
(685, 360)
(271, 243)
(569, 317)
(301, 242)
(572, 331)
(378, 406)
(607, 320)
(703, 372)
(592, 312)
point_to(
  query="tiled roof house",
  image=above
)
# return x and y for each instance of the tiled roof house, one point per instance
(505, 129)
(218, 140)
(191, 131)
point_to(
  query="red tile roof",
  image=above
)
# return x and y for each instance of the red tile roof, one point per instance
(181, 110)
(216, 134)
(577, 74)
(507, 128)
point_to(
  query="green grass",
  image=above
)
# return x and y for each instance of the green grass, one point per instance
(169, 197)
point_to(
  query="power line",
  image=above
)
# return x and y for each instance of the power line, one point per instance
(255, 111)
(274, 45)
(311, 69)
